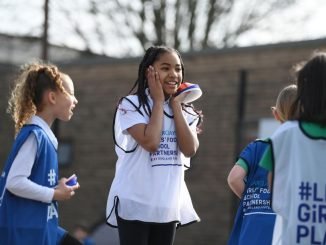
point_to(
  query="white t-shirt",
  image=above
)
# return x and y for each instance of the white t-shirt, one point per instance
(150, 186)
(299, 187)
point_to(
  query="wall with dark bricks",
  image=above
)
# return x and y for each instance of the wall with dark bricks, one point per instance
(99, 83)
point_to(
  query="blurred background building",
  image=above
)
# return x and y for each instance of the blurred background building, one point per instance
(240, 52)
(239, 86)
(20, 49)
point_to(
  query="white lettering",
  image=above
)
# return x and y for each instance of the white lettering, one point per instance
(52, 211)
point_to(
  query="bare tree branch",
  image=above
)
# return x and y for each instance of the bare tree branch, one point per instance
(126, 10)
(149, 21)
(177, 24)
(216, 10)
(159, 9)
(192, 5)
(77, 28)
(251, 17)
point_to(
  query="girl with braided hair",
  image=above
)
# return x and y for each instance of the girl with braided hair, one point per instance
(29, 186)
(155, 136)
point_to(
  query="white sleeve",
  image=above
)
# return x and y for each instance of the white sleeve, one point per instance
(128, 114)
(17, 180)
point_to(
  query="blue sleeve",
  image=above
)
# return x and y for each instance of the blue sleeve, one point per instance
(248, 154)
(252, 155)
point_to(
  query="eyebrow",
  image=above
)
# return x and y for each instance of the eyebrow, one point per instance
(169, 64)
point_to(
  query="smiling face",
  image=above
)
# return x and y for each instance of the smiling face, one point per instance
(169, 68)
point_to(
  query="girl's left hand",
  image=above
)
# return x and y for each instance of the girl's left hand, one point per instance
(64, 192)
(175, 103)
(181, 97)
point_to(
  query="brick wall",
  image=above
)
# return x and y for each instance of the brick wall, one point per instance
(99, 84)
(6, 125)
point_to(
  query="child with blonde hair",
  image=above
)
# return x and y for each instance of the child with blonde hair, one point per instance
(282, 109)
(29, 185)
(255, 219)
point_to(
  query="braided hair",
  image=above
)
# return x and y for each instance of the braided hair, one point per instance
(152, 54)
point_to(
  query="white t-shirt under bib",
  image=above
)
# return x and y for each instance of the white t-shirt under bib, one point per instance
(150, 187)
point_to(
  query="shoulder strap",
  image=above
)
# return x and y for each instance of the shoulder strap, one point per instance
(136, 107)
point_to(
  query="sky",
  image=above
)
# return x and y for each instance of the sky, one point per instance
(303, 21)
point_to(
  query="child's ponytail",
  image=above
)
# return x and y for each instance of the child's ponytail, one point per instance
(26, 96)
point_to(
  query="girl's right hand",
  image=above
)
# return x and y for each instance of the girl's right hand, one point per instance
(154, 85)
(64, 192)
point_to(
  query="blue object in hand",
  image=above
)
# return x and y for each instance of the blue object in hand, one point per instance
(72, 180)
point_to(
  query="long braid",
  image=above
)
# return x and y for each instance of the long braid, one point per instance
(149, 58)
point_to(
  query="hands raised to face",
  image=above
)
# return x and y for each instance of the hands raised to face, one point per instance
(154, 84)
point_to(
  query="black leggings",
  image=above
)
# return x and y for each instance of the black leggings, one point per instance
(142, 233)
